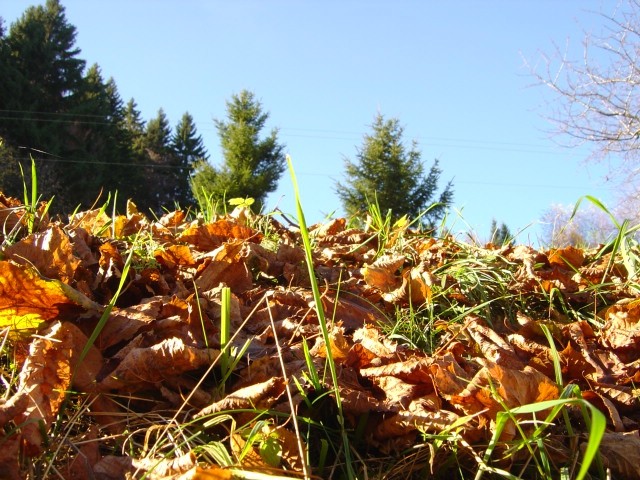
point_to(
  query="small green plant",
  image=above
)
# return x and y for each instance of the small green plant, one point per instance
(230, 356)
(31, 214)
(208, 207)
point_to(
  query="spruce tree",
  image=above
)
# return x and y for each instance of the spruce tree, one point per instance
(42, 49)
(252, 166)
(390, 174)
(188, 148)
(500, 235)
(160, 163)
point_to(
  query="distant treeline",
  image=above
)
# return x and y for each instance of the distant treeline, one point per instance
(82, 135)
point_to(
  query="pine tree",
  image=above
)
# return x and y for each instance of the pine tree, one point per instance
(42, 49)
(44, 60)
(188, 148)
(252, 166)
(389, 174)
(160, 164)
(500, 235)
(10, 181)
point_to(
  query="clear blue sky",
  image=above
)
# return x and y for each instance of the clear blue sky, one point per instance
(453, 72)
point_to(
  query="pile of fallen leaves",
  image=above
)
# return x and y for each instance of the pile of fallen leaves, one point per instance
(95, 391)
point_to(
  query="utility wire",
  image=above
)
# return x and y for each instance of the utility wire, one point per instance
(317, 133)
(303, 173)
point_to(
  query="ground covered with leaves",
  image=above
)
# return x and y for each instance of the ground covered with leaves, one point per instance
(193, 348)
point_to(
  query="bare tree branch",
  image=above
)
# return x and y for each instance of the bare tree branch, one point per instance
(598, 97)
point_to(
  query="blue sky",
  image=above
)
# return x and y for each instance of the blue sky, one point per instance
(453, 72)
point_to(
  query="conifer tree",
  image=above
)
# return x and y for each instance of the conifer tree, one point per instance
(42, 49)
(188, 148)
(500, 235)
(389, 174)
(160, 164)
(252, 166)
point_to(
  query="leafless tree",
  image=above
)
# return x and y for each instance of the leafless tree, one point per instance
(586, 226)
(599, 95)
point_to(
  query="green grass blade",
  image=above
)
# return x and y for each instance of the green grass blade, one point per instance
(321, 317)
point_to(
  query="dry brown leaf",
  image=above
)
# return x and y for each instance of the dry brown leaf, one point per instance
(93, 221)
(175, 256)
(111, 262)
(81, 464)
(26, 299)
(331, 227)
(172, 219)
(413, 370)
(210, 236)
(605, 405)
(514, 387)
(405, 422)
(13, 215)
(370, 349)
(247, 455)
(114, 467)
(383, 273)
(568, 257)
(181, 467)
(126, 323)
(339, 347)
(259, 396)
(494, 348)
(621, 330)
(145, 366)
(211, 473)
(47, 375)
(621, 453)
(226, 266)
(50, 252)
(9, 458)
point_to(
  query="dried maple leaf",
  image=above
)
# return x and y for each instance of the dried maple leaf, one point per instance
(181, 467)
(338, 344)
(9, 457)
(605, 405)
(412, 421)
(126, 323)
(93, 221)
(514, 387)
(331, 227)
(81, 464)
(413, 370)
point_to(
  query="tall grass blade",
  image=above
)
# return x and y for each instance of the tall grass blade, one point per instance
(321, 318)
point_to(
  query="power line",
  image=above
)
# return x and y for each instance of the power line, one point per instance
(307, 173)
(323, 134)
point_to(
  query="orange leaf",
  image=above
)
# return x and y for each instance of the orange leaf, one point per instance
(50, 252)
(142, 366)
(212, 235)
(574, 257)
(47, 375)
(26, 299)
